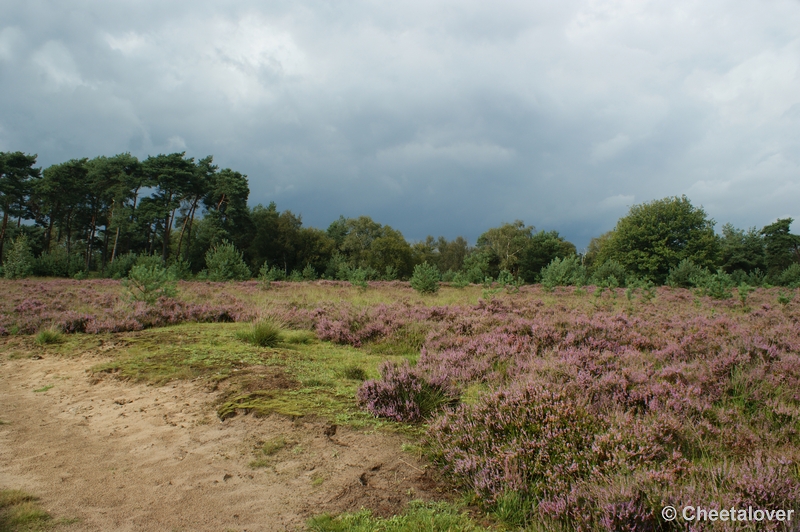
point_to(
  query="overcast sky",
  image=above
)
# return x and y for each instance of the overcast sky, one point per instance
(435, 117)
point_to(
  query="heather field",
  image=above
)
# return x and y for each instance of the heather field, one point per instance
(573, 409)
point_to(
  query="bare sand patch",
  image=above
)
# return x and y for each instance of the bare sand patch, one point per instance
(133, 457)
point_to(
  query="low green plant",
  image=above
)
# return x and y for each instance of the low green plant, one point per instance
(425, 279)
(19, 261)
(358, 277)
(48, 336)
(355, 373)
(714, 285)
(148, 280)
(784, 298)
(309, 273)
(742, 292)
(265, 333)
(121, 266)
(180, 270)
(563, 272)
(684, 274)
(267, 274)
(418, 517)
(610, 273)
(790, 276)
(21, 511)
(507, 280)
(460, 280)
(225, 263)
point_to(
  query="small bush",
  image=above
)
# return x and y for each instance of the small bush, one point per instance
(354, 373)
(460, 280)
(48, 336)
(604, 273)
(180, 270)
(121, 266)
(148, 280)
(682, 275)
(309, 273)
(264, 333)
(358, 277)
(425, 279)
(404, 394)
(18, 262)
(299, 337)
(790, 276)
(268, 273)
(715, 285)
(225, 263)
(57, 263)
(564, 272)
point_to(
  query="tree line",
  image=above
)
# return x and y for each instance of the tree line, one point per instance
(99, 216)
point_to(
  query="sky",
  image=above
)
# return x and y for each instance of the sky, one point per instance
(434, 117)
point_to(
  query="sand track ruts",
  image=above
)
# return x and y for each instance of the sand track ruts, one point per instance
(132, 457)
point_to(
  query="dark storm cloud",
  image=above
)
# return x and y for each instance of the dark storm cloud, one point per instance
(434, 117)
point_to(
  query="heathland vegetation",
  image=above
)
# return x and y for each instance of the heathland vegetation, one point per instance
(557, 391)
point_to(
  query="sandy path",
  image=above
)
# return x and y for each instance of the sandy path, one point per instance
(119, 456)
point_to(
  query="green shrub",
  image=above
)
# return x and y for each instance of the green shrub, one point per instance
(391, 273)
(610, 274)
(460, 280)
(296, 276)
(681, 276)
(268, 273)
(425, 279)
(225, 263)
(57, 263)
(18, 262)
(564, 272)
(180, 270)
(715, 285)
(265, 333)
(790, 276)
(358, 277)
(148, 280)
(355, 373)
(121, 266)
(753, 278)
(309, 273)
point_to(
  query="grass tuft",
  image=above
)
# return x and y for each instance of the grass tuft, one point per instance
(262, 334)
(20, 511)
(48, 336)
(354, 373)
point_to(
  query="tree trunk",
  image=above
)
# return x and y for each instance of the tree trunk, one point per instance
(3, 234)
(114, 252)
(92, 230)
(189, 232)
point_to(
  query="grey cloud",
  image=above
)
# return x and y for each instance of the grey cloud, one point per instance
(443, 117)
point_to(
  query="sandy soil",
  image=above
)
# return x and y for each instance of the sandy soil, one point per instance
(129, 457)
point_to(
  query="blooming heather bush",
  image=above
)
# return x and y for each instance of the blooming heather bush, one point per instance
(404, 393)
(524, 439)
